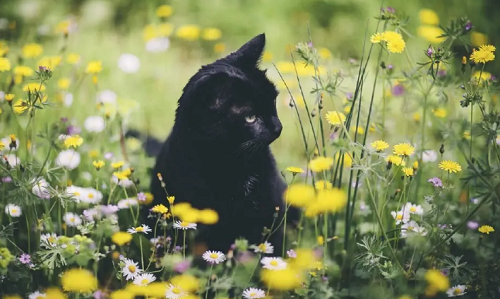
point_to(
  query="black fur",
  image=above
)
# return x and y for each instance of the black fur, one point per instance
(215, 158)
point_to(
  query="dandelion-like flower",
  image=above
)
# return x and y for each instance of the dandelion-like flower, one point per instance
(273, 263)
(214, 257)
(403, 149)
(408, 171)
(144, 279)
(78, 281)
(98, 164)
(450, 166)
(294, 169)
(175, 292)
(379, 145)
(161, 209)
(253, 293)
(486, 229)
(184, 225)
(320, 164)
(4, 64)
(265, 247)
(121, 238)
(140, 229)
(32, 50)
(94, 67)
(458, 290)
(394, 41)
(482, 55)
(131, 269)
(335, 118)
(73, 141)
(13, 210)
(322, 184)
(300, 195)
(400, 216)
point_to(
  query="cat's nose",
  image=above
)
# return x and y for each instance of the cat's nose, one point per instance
(277, 127)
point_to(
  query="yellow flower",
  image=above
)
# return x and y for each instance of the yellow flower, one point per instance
(437, 282)
(78, 281)
(358, 130)
(408, 171)
(73, 58)
(320, 164)
(12, 297)
(396, 46)
(300, 195)
(484, 75)
(50, 62)
(478, 39)
(347, 159)
(324, 53)
(122, 294)
(4, 64)
(396, 160)
(54, 293)
(24, 71)
(121, 238)
(321, 240)
(428, 16)
(73, 141)
(98, 164)
(379, 145)
(416, 116)
(415, 165)
(187, 282)
(486, 229)
(188, 32)
(482, 56)
(294, 169)
(450, 166)
(171, 199)
(405, 297)
(188, 215)
(164, 11)
(331, 200)
(282, 280)
(285, 67)
(440, 112)
(2, 145)
(394, 40)
(403, 149)
(122, 175)
(489, 48)
(267, 56)
(117, 165)
(377, 38)
(322, 184)
(208, 216)
(9, 97)
(63, 83)
(94, 67)
(335, 118)
(466, 135)
(431, 33)
(211, 34)
(93, 153)
(219, 47)
(149, 198)
(34, 87)
(4, 49)
(160, 209)
(32, 50)
(20, 106)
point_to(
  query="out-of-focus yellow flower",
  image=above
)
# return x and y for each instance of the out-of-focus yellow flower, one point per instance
(428, 17)
(267, 56)
(478, 39)
(188, 32)
(347, 159)
(24, 71)
(325, 53)
(32, 50)
(208, 217)
(300, 195)
(187, 282)
(219, 48)
(320, 164)
(50, 62)
(437, 282)
(285, 67)
(73, 141)
(78, 281)
(4, 64)
(431, 33)
(94, 67)
(4, 49)
(73, 58)
(63, 83)
(282, 280)
(164, 11)
(121, 238)
(211, 34)
(440, 112)
(34, 87)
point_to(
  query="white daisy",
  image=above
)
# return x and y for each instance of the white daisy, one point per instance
(48, 240)
(273, 263)
(13, 210)
(72, 219)
(129, 63)
(130, 270)
(429, 156)
(458, 290)
(400, 216)
(12, 160)
(91, 195)
(214, 257)
(106, 97)
(175, 292)
(122, 183)
(94, 124)
(420, 230)
(68, 99)
(127, 203)
(413, 209)
(36, 295)
(254, 293)
(157, 45)
(408, 228)
(140, 229)
(77, 193)
(68, 158)
(144, 279)
(265, 247)
(184, 225)
(40, 188)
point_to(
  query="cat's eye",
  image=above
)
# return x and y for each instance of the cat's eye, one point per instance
(250, 119)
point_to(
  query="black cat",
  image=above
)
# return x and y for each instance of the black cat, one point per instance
(217, 155)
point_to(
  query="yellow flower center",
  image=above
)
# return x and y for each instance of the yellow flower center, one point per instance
(413, 209)
(91, 195)
(144, 281)
(410, 227)
(184, 224)
(14, 211)
(176, 291)
(214, 255)
(399, 217)
(274, 263)
(72, 219)
(132, 268)
(40, 297)
(77, 193)
(262, 247)
(252, 294)
(139, 229)
(457, 291)
(51, 239)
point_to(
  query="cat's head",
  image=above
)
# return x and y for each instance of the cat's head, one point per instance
(232, 101)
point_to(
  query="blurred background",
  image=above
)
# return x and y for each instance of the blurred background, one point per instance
(149, 49)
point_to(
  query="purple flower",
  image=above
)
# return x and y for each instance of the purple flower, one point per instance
(324, 278)
(430, 51)
(472, 225)
(25, 258)
(398, 90)
(349, 95)
(244, 257)
(64, 119)
(141, 196)
(108, 156)
(474, 201)
(445, 272)
(42, 68)
(99, 294)
(334, 135)
(177, 248)
(73, 130)
(468, 26)
(182, 267)
(436, 182)
(310, 44)
(109, 209)
(390, 9)
(233, 246)
(441, 73)
(493, 78)
(7, 179)
(291, 253)
(390, 67)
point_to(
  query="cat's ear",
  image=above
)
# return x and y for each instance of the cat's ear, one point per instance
(250, 53)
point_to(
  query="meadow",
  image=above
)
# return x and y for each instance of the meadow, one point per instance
(390, 150)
